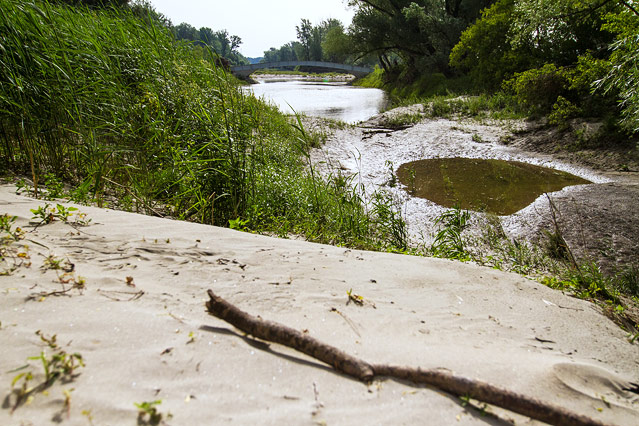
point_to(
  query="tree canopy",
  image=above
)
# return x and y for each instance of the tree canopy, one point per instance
(327, 41)
(420, 32)
(220, 42)
(583, 46)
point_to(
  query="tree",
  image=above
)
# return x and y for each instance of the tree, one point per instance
(271, 55)
(336, 46)
(623, 68)
(287, 52)
(185, 31)
(205, 39)
(284, 53)
(315, 47)
(236, 41)
(420, 32)
(484, 49)
(305, 36)
(560, 31)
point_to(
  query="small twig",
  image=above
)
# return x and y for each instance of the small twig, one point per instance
(348, 321)
(134, 296)
(45, 294)
(363, 371)
(318, 404)
(553, 212)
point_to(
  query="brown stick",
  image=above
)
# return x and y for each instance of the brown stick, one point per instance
(278, 333)
(361, 370)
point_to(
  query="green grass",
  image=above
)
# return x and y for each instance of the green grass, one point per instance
(107, 102)
(445, 97)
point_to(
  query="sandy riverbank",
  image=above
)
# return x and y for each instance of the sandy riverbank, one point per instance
(148, 337)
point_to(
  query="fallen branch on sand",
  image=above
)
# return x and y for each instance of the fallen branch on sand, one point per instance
(361, 370)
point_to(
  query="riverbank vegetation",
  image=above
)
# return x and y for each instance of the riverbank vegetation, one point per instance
(106, 102)
(327, 41)
(559, 60)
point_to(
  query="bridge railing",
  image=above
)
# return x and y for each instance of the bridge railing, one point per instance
(246, 70)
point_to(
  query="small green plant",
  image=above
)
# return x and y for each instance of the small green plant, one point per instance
(63, 213)
(477, 138)
(556, 246)
(48, 214)
(392, 179)
(6, 226)
(55, 187)
(61, 366)
(448, 240)
(355, 298)
(524, 258)
(440, 107)
(81, 194)
(627, 280)
(44, 214)
(238, 224)
(399, 121)
(412, 175)
(21, 186)
(52, 262)
(586, 281)
(6, 222)
(148, 413)
(11, 255)
(390, 223)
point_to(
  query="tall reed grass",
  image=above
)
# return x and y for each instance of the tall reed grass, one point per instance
(109, 101)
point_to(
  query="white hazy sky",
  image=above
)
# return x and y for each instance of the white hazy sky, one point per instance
(261, 24)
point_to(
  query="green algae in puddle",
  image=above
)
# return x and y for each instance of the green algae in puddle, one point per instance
(494, 186)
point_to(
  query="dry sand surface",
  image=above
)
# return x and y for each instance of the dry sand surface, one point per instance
(155, 341)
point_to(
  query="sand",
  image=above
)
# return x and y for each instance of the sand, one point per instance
(151, 338)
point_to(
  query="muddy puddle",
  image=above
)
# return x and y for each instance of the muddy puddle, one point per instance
(488, 185)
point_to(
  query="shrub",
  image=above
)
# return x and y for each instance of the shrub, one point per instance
(562, 111)
(538, 89)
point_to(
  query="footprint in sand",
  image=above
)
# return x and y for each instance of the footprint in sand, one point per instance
(599, 384)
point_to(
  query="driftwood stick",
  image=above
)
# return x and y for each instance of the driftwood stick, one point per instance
(278, 333)
(441, 379)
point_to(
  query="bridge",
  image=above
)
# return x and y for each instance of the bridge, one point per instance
(246, 70)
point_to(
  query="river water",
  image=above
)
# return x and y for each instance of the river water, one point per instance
(334, 99)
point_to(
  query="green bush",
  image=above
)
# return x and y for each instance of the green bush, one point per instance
(562, 111)
(538, 89)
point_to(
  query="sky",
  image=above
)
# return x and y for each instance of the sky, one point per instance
(261, 24)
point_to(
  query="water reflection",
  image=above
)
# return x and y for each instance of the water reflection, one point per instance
(335, 100)
(495, 186)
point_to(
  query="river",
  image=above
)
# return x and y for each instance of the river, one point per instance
(329, 99)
